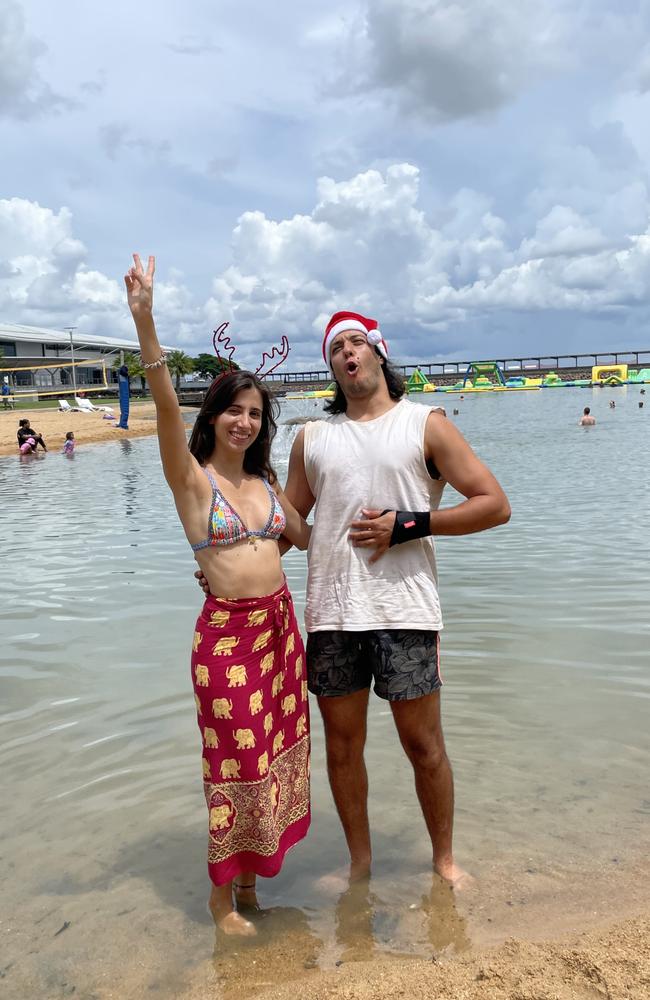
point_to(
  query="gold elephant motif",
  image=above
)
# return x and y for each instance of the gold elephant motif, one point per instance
(266, 663)
(245, 738)
(268, 723)
(196, 641)
(220, 816)
(301, 726)
(210, 738)
(236, 674)
(221, 708)
(285, 623)
(263, 763)
(262, 640)
(202, 675)
(299, 667)
(304, 691)
(256, 618)
(288, 705)
(225, 646)
(230, 768)
(197, 702)
(206, 770)
(277, 683)
(256, 702)
(220, 618)
(290, 646)
(278, 742)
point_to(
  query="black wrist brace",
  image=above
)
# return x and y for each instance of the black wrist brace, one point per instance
(410, 524)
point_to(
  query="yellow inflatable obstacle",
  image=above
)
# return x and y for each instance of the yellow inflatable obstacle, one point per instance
(609, 374)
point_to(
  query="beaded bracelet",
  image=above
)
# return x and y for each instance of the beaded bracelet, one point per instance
(162, 360)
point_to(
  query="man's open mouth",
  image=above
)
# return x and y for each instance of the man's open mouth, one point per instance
(351, 367)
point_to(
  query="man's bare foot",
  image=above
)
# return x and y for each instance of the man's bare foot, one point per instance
(455, 876)
(341, 880)
(359, 870)
(234, 925)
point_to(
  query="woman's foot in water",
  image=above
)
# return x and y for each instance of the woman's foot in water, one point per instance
(225, 917)
(245, 889)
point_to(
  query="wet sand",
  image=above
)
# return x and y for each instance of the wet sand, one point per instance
(582, 935)
(89, 428)
(612, 963)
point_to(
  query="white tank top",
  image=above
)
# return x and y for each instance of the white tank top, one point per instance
(375, 464)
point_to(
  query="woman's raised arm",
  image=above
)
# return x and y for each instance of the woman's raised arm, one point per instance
(178, 464)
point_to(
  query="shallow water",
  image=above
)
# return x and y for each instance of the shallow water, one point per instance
(546, 660)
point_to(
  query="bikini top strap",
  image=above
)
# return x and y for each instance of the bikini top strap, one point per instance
(213, 482)
(269, 489)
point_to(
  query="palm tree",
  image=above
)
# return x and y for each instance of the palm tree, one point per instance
(179, 363)
(133, 363)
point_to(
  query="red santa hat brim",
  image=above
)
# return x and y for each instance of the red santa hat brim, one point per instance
(353, 321)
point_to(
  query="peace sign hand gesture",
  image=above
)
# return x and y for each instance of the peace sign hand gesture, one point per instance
(139, 288)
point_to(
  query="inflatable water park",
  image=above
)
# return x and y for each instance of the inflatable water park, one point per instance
(487, 376)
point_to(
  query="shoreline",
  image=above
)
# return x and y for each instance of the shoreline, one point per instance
(89, 428)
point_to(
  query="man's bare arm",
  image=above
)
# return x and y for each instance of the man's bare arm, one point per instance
(297, 488)
(485, 505)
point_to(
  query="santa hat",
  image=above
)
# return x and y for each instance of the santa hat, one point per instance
(341, 321)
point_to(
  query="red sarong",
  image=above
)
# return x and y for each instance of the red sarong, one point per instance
(250, 687)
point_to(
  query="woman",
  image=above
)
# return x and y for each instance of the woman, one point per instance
(247, 660)
(28, 438)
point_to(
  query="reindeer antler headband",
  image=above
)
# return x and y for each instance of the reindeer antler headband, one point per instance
(221, 339)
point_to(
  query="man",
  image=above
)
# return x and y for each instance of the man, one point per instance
(586, 419)
(7, 399)
(372, 601)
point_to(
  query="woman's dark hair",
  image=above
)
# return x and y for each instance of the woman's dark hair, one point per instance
(394, 382)
(220, 395)
(23, 422)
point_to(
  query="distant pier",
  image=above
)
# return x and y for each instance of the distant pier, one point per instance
(567, 366)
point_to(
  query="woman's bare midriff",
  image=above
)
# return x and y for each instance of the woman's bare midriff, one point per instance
(250, 568)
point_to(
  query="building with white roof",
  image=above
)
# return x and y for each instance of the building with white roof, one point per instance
(26, 350)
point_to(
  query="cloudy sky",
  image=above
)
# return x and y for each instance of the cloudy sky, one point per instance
(472, 173)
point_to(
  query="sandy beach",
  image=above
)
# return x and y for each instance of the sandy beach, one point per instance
(613, 963)
(89, 428)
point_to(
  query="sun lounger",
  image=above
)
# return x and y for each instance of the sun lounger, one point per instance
(87, 407)
(64, 407)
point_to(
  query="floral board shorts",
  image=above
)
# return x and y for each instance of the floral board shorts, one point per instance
(405, 663)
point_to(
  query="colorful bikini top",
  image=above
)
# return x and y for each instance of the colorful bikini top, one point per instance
(225, 526)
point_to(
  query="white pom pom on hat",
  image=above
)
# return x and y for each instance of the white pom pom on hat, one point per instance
(342, 321)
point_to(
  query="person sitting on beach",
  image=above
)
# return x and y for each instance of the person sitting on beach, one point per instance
(248, 662)
(586, 419)
(27, 434)
(68, 445)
